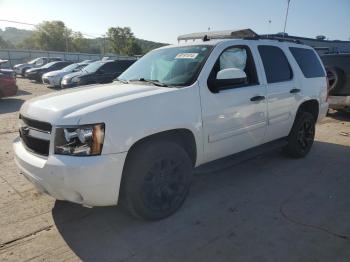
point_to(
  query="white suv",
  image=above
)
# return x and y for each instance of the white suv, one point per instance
(138, 139)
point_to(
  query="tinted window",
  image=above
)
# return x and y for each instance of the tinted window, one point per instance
(277, 68)
(308, 62)
(109, 68)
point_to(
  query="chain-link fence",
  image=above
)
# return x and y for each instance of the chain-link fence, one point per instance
(16, 56)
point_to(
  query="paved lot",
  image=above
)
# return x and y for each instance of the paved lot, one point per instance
(270, 208)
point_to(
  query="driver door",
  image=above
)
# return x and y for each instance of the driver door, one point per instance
(234, 117)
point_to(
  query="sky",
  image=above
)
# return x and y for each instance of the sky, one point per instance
(163, 21)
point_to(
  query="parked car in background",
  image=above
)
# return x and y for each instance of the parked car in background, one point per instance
(97, 72)
(338, 72)
(137, 140)
(20, 69)
(8, 85)
(54, 78)
(37, 73)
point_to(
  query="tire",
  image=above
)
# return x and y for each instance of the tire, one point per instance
(302, 135)
(157, 179)
(336, 80)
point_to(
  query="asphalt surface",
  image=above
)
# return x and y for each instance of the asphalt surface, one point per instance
(269, 208)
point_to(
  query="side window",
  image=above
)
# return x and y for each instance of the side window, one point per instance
(276, 65)
(308, 62)
(236, 57)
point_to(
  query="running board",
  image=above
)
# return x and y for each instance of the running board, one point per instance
(232, 160)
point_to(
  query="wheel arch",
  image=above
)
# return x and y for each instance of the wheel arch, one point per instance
(181, 136)
(310, 106)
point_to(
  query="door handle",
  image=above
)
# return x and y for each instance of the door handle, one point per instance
(294, 91)
(257, 98)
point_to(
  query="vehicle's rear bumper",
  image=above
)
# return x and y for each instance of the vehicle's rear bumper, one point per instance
(322, 111)
(90, 181)
(9, 90)
(339, 102)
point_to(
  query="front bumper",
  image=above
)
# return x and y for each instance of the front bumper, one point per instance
(90, 181)
(51, 81)
(65, 84)
(32, 76)
(18, 70)
(339, 102)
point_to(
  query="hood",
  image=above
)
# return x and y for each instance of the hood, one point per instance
(67, 107)
(54, 73)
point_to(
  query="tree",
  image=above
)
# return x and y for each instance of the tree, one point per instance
(121, 39)
(134, 48)
(5, 44)
(50, 35)
(80, 44)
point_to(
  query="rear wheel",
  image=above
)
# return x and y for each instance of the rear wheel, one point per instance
(302, 135)
(156, 180)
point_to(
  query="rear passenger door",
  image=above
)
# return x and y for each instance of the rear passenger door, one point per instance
(282, 91)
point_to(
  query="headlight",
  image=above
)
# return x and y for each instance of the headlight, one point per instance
(85, 140)
(75, 80)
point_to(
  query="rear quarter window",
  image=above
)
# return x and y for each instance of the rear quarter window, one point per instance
(276, 65)
(308, 62)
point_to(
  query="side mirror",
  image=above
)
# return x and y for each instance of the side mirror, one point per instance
(231, 73)
(229, 77)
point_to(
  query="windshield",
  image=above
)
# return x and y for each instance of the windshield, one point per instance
(33, 61)
(92, 68)
(175, 66)
(49, 64)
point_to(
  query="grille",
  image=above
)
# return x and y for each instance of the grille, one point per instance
(44, 126)
(32, 133)
(46, 81)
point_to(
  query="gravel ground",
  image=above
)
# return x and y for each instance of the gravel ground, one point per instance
(270, 208)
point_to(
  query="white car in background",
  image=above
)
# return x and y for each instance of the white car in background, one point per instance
(54, 78)
(20, 69)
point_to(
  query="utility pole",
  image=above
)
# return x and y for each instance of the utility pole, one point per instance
(66, 39)
(285, 20)
(268, 29)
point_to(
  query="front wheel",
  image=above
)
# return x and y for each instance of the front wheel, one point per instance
(302, 135)
(156, 180)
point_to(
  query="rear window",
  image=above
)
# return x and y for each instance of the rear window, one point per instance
(276, 65)
(308, 62)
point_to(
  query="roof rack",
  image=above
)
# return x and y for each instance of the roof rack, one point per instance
(247, 34)
(206, 36)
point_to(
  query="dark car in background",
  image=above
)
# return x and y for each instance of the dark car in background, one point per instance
(98, 72)
(338, 72)
(8, 85)
(37, 73)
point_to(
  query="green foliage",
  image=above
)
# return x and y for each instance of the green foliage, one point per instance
(121, 39)
(55, 36)
(5, 44)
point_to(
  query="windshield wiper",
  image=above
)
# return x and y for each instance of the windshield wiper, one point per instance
(122, 80)
(154, 82)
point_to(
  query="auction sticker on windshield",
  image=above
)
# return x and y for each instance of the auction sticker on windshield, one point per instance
(186, 56)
